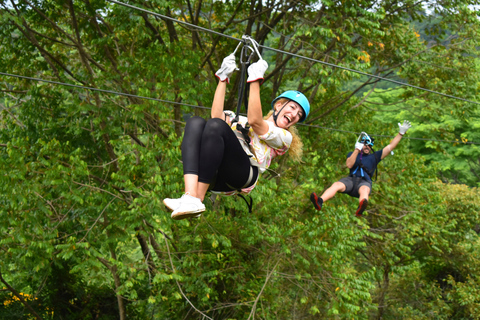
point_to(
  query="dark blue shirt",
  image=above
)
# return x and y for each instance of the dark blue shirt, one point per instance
(369, 164)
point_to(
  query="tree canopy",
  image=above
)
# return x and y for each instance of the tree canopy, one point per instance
(84, 233)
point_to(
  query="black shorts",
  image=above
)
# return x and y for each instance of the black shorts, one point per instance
(352, 184)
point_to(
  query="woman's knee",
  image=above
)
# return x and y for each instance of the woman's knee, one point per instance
(215, 126)
(193, 131)
(195, 122)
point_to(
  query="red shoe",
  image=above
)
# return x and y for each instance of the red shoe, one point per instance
(361, 207)
(317, 201)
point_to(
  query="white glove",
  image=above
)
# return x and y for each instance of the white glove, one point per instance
(404, 127)
(227, 68)
(257, 70)
(359, 146)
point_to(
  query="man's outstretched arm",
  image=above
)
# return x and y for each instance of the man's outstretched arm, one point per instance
(402, 130)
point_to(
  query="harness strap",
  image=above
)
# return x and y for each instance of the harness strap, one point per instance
(361, 170)
(249, 205)
(249, 181)
(361, 166)
(242, 85)
(213, 197)
(250, 178)
(242, 135)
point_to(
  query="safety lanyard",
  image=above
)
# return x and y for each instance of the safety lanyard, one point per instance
(245, 60)
(359, 166)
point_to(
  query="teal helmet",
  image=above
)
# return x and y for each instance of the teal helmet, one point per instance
(366, 139)
(299, 98)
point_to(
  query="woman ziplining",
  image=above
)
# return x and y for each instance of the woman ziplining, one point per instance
(362, 163)
(227, 153)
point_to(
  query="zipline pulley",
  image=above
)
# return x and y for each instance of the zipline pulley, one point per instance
(363, 134)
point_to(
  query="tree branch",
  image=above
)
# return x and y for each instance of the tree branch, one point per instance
(19, 297)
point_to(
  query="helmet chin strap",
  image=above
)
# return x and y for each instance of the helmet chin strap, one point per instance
(275, 115)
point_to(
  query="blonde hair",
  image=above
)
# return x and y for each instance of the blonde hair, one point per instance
(295, 151)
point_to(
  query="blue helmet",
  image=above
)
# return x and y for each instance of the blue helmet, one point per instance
(299, 98)
(366, 139)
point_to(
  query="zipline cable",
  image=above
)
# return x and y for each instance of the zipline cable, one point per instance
(387, 136)
(101, 90)
(293, 54)
(175, 20)
(207, 108)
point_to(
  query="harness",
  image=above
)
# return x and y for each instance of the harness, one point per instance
(362, 167)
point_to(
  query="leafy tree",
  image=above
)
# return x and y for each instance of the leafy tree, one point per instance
(83, 231)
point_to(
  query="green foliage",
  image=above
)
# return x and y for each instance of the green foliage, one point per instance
(84, 233)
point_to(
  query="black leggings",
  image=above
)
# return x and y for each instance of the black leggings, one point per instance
(211, 150)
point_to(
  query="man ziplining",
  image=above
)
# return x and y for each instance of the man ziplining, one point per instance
(362, 163)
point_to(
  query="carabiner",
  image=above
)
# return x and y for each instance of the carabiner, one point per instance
(361, 135)
(254, 45)
(246, 47)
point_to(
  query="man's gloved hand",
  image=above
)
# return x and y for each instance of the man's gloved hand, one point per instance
(404, 127)
(227, 68)
(359, 146)
(256, 71)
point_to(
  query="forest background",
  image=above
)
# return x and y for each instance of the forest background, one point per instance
(84, 233)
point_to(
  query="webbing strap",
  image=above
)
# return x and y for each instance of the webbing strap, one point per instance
(370, 173)
(248, 183)
(243, 86)
(242, 133)
(249, 205)
(361, 171)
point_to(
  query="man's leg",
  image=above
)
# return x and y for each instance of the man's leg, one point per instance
(364, 192)
(327, 195)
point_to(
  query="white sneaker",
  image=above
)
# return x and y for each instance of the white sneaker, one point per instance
(173, 204)
(189, 207)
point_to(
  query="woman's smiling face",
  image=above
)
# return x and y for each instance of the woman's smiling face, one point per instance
(289, 113)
